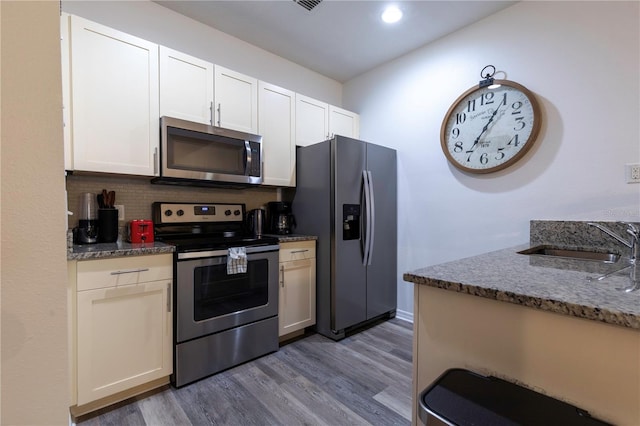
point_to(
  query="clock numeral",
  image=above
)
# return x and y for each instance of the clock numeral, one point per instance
(500, 155)
(471, 105)
(457, 147)
(461, 118)
(487, 98)
(470, 152)
(455, 132)
(517, 110)
(484, 158)
(514, 141)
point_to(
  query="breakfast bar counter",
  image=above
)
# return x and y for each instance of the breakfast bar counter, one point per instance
(534, 321)
(563, 286)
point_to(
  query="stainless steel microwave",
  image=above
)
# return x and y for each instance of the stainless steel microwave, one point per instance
(200, 154)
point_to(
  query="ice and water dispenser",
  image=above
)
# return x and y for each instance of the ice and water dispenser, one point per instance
(351, 221)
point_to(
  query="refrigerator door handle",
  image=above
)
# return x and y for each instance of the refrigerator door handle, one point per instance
(372, 217)
(367, 219)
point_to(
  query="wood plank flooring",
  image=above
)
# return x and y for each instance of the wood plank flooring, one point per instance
(364, 379)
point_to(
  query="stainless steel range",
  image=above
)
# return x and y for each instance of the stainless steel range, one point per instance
(225, 286)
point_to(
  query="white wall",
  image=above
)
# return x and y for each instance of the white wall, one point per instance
(34, 357)
(158, 24)
(581, 59)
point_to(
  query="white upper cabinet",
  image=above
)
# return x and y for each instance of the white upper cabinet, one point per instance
(114, 100)
(65, 46)
(343, 122)
(236, 100)
(312, 120)
(276, 124)
(318, 121)
(186, 87)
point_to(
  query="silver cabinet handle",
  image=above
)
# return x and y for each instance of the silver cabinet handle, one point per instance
(211, 113)
(219, 114)
(300, 251)
(168, 297)
(129, 271)
(282, 276)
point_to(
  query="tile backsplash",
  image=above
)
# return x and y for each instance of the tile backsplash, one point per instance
(137, 194)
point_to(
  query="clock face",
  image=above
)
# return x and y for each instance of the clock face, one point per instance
(486, 130)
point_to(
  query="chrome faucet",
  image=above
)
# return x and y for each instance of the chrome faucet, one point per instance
(633, 244)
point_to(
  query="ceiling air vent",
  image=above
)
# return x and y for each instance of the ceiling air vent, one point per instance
(308, 4)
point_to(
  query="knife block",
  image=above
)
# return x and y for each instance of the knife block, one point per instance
(107, 225)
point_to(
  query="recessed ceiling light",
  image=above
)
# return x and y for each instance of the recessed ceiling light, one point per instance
(391, 15)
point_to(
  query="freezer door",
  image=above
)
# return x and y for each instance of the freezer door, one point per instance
(348, 284)
(382, 272)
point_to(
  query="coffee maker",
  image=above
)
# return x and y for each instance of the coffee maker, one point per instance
(87, 231)
(280, 219)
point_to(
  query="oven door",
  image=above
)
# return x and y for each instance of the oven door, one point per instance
(208, 300)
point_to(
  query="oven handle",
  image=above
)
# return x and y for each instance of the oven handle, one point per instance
(219, 253)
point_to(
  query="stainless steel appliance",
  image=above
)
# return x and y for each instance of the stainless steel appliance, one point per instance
(281, 220)
(87, 230)
(199, 154)
(225, 287)
(256, 222)
(346, 195)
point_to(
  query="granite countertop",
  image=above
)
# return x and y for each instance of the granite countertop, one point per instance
(292, 237)
(555, 285)
(118, 249)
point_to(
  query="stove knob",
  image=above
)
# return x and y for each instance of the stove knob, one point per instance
(227, 212)
(168, 212)
(180, 212)
(236, 213)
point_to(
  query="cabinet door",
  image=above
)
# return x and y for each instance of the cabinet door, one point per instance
(124, 338)
(65, 46)
(276, 124)
(343, 122)
(297, 295)
(114, 105)
(186, 87)
(312, 121)
(236, 100)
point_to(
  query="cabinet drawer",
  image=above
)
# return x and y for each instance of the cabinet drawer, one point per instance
(103, 273)
(297, 250)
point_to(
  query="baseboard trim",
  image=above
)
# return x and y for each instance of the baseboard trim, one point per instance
(404, 315)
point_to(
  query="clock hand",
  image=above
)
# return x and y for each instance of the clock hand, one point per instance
(484, 129)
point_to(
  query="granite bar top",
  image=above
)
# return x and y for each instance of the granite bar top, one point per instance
(555, 285)
(118, 249)
(292, 237)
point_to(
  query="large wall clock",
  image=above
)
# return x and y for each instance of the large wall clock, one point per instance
(489, 128)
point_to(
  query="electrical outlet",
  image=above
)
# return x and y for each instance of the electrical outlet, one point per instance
(632, 173)
(120, 208)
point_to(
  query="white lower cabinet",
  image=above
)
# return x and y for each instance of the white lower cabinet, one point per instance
(297, 304)
(123, 324)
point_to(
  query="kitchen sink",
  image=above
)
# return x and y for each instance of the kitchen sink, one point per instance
(575, 254)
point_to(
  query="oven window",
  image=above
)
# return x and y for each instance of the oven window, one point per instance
(217, 294)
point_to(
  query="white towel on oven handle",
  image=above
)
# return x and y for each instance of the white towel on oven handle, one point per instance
(237, 260)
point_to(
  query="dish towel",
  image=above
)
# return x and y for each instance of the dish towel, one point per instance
(237, 260)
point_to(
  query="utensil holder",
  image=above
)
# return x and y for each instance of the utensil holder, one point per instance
(107, 225)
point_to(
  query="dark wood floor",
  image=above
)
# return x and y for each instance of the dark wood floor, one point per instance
(364, 379)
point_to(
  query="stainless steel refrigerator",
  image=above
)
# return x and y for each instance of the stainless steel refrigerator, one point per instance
(346, 195)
